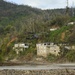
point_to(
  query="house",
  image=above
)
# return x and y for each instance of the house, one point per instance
(20, 47)
(73, 47)
(53, 29)
(68, 47)
(71, 23)
(43, 49)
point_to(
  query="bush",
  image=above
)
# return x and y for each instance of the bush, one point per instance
(71, 56)
(51, 57)
(1, 58)
(60, 20)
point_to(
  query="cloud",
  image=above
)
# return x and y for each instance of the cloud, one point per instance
(44, 4)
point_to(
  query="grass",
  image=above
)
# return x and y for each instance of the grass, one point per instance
(56, 35)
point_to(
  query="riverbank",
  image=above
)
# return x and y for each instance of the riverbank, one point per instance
(38, 72)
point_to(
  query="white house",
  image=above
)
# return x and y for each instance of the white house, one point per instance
(19, 47)
(43, 49)
(71, 23)
(53, 29)
(73, 47)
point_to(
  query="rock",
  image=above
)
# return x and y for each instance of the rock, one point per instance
(38, 72)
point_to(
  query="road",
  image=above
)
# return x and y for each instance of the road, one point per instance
(39, 67)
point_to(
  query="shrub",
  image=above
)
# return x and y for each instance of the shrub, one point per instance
(71, 56)
(1, 58)
(51, 57)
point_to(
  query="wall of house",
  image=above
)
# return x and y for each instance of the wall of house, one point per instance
(41, 50)
(72, 47)
(20, 47)
(44, 50)
(54, 49)
(18, 50)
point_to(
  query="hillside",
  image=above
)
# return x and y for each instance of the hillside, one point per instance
(20, 23)
(19, 19)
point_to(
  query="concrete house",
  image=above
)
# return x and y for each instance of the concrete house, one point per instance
(53, 29)
(20, 47)
(71, 23)
(73, 47)
(43, 49)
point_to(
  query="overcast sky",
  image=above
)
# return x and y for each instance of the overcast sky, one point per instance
(45, 4)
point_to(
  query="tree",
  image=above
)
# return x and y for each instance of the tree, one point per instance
(60, 20)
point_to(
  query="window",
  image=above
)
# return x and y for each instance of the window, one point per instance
(54, 50)
(48, 43)
(44, 43)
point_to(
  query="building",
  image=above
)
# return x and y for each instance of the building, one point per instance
(73, 47)
(53, 29)
(20, 47)
(43, 49)
(71, 23)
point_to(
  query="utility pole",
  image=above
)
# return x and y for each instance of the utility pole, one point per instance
(67, 7)
(67, 3)
(73, 9)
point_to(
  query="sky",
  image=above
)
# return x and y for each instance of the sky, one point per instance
(44, 4)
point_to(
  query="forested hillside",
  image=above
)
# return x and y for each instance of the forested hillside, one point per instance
(20, 23)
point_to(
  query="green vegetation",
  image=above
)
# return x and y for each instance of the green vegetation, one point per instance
(56, 36)
(70, 56)
(60, 20)
(51, 58)
(19, 23)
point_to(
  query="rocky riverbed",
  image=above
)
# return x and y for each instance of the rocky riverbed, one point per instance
(38, 72)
